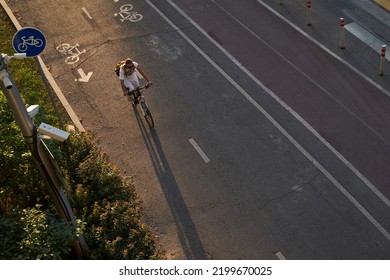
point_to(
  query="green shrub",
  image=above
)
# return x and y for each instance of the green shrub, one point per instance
(107, 203)
(20, 182)
(34, 234)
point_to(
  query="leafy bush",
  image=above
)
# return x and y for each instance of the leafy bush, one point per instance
(20, 182)
(107, 203)
(33, 234)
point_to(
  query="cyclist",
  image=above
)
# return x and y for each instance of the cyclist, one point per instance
(128, 77)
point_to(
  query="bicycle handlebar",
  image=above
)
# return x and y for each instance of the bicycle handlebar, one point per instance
(143, 87)
(139, 89)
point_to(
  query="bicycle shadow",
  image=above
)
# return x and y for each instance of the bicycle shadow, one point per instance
(186, 229)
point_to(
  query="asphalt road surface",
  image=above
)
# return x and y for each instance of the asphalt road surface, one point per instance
(267, 143)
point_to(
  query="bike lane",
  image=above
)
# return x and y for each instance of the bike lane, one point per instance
(347, 110)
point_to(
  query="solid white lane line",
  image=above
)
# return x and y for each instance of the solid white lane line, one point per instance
(199, 150)
(272, 120)
(86, 12)
(280, 256)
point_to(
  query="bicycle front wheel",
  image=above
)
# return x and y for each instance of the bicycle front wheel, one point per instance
(38, 43)
(149, 118)
(147, 114)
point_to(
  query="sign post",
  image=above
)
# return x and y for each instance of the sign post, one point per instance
(31, 42)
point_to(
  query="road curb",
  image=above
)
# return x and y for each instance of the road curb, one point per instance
(47, 74)
(385, 4)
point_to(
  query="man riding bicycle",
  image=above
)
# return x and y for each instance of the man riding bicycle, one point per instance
(128, 77)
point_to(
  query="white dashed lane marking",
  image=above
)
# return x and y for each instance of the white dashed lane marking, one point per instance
(280, 256)
(199, 150)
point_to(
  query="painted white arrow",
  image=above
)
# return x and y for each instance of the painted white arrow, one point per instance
(84, 77)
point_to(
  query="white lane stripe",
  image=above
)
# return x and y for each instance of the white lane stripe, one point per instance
(272, 120)
(86, 12)
(280, 256)
(366, 37)
(199, 150)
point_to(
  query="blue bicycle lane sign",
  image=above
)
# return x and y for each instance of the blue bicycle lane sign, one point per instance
(29, 40)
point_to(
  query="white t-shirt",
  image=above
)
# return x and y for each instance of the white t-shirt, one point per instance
(130, 81)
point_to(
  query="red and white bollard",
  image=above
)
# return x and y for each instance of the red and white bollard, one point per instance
(342, 33)
(309, 13)
(382, 62)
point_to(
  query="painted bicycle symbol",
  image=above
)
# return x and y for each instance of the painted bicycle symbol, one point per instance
(126, 13)
(29, 42)
(72, 51)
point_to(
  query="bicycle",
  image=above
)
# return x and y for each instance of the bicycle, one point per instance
(67, 49)
(126, 14)
(31, 41)
(135, 96)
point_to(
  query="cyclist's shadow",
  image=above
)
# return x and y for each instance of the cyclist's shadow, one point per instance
(189, 239)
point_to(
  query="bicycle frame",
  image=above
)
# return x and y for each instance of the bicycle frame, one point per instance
(31, 41)
(137, 95)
